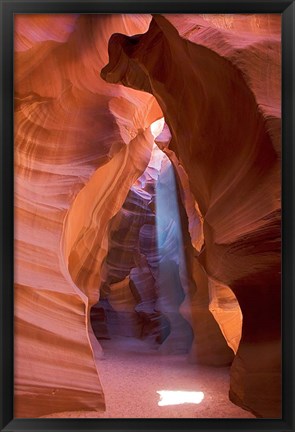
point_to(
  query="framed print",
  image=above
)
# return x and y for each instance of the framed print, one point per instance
(147, 196)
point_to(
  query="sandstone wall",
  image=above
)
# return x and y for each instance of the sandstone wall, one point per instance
(71, 128)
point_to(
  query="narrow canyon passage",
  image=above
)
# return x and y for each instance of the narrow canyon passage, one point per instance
(145, 370)
(144, 275)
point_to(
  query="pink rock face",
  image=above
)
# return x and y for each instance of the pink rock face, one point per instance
(71, 128)
(83, 144)
(224, 117)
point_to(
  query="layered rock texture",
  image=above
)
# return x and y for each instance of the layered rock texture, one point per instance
(80, 144)
(180, 246)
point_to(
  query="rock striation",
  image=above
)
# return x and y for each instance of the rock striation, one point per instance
(71, 128)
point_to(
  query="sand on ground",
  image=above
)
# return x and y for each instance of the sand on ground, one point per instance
(132, 375)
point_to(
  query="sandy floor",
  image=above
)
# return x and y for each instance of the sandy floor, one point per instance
(131, 376)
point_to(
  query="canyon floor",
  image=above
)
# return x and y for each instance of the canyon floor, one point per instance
(132, 375)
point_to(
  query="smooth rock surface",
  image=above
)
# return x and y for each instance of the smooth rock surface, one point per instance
(71, 128)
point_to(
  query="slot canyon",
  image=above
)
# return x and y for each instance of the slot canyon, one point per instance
(147, 216)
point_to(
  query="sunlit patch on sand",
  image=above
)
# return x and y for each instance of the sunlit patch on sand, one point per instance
(168, 397)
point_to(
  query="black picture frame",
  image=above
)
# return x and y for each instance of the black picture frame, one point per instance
(8, 9)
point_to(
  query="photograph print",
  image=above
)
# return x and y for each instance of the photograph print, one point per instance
(147, 192)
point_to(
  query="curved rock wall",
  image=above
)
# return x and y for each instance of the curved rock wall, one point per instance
(224, 118)
(70, 128)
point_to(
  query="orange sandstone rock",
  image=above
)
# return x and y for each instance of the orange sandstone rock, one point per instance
(71, 129)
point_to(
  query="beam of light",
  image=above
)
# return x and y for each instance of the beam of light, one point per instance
(167, 214)
(169, 397)
(170, 268)
(168, 223)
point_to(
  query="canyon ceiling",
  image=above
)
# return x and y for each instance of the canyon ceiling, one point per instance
(87, 91)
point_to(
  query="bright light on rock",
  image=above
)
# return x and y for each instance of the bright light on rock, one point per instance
(157, 127)
(168, 397)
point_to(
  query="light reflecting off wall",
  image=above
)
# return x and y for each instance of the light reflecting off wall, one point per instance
(157, 127)
(168, 397)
